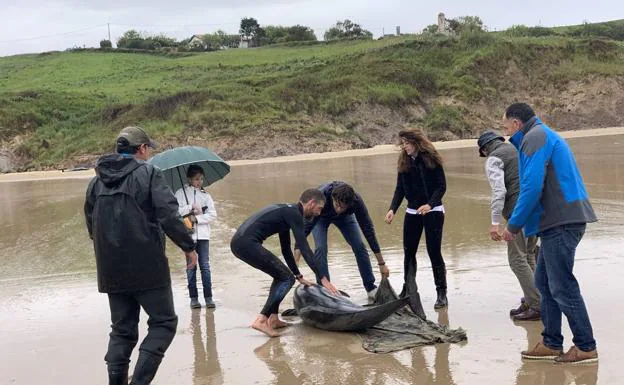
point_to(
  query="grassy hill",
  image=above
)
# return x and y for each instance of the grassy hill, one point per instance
(59, 109)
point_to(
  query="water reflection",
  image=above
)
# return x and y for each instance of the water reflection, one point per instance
(333, 361)
(273, 355)
(207, 369)
(547, 373)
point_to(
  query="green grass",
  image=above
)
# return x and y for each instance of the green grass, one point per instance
(72, 104)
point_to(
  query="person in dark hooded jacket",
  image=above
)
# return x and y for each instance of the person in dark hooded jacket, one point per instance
(127, 208)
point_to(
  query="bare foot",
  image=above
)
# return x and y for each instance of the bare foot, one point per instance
(261, 324)
(277, 323)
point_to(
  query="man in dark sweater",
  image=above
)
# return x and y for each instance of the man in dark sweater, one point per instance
(128, 206)
(346, 210)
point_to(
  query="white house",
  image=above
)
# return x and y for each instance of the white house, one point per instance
(197, 41)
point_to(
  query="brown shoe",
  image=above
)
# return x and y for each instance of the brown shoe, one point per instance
(521, 309)
(577, 356)
(529, 315)
(541, 352)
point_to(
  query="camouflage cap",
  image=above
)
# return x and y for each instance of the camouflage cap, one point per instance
(136, 136)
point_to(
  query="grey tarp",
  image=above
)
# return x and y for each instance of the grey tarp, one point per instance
(404, 329)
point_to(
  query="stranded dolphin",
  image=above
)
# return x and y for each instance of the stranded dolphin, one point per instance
(318, 308)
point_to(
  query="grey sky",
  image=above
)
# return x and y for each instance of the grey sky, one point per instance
(44, 25)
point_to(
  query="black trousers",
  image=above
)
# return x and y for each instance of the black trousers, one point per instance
(255, 255)
(162, 324)
(413, 226)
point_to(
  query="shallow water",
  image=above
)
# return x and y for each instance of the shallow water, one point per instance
(52, 315)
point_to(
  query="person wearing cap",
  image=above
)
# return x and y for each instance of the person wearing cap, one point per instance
(128, 206)
(501, 170)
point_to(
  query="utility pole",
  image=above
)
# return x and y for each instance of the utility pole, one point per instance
(108, 24)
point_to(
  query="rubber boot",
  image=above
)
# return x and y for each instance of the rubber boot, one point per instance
(210, 303)
(439, 277)
(118, 376)
(145, 370)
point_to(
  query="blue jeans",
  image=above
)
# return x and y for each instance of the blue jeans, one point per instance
(202, 248)
(350, 230)
(559, 289)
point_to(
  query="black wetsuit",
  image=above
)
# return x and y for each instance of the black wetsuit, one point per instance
(247, 246)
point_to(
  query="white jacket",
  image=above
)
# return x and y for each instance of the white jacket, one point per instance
(203, 199)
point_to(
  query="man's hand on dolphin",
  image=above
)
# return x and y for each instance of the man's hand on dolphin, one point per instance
(329, 286)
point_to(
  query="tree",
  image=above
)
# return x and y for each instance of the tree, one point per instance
(471, 24)
(249, 28)
(431, 29)
(300, 33)
(466, 24)
(106, 44)
(220, 39)
(274, 34)
(136, 40)
(130, 39)
(347, 30)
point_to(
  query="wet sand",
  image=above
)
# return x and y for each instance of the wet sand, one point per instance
(376, 150)
(55, 324)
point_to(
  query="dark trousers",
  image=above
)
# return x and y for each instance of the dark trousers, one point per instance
(255, 255)
(162, 323)
(413, 226)
(203, 261)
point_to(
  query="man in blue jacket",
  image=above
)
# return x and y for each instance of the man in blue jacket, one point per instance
(553, 203)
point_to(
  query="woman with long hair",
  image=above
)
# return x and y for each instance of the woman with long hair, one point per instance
(196, 204)
(422, 183)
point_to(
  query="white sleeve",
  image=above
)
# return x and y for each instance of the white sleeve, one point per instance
(495, 172)
(211, 213)
(183, 207)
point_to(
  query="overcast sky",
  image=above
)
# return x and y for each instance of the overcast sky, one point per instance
(44, 25)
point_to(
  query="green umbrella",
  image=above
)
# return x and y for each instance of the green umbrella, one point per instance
(175, 162)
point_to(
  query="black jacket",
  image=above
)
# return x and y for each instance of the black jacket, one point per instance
(420, 185)
(127, 207)
(358, 208)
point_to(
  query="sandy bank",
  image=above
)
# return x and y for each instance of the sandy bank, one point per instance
(377, 150)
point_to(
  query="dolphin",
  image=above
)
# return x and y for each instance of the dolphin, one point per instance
(317, 307)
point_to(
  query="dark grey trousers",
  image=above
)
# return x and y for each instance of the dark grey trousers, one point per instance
(162, 324)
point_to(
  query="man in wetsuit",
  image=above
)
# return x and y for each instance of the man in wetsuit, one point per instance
(279, 219)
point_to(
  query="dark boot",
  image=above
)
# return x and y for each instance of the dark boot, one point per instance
(442, 301)
(118, 376)
(439, 277)
(195, 303)
(145, 369)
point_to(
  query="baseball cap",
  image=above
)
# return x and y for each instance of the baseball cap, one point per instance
(136, 136)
